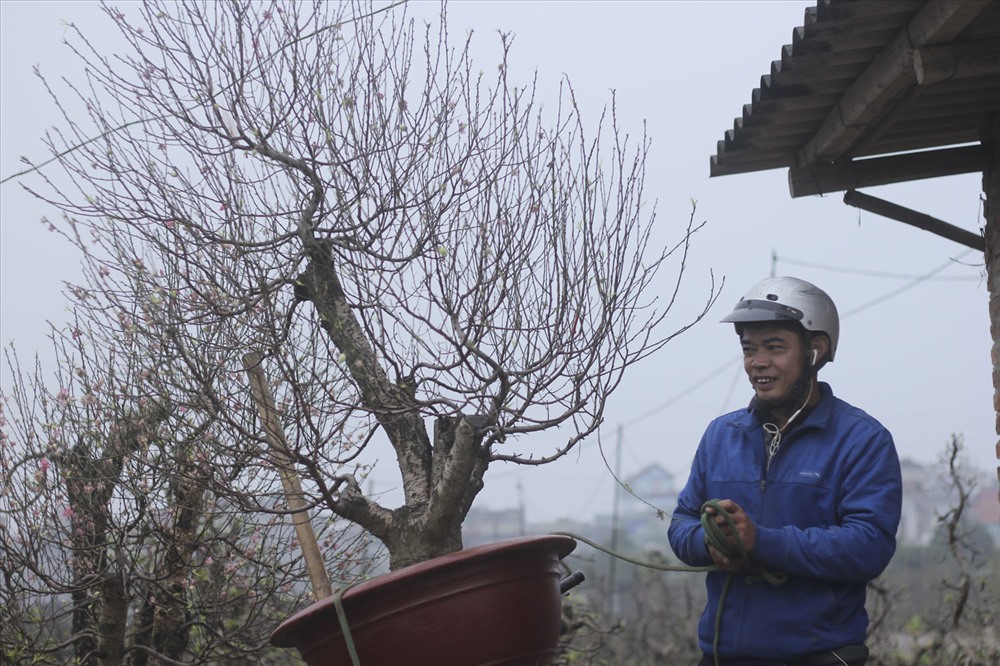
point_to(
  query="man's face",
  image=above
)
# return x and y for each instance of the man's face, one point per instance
(774, 359)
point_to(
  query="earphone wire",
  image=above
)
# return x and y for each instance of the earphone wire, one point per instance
(776, 432)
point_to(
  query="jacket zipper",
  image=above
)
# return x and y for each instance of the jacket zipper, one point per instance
(767, 467)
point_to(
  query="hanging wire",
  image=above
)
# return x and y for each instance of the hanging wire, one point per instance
(906, 287)
(883, 274)
(684, 393)
(914, 280)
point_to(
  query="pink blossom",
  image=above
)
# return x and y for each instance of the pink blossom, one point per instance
(68, 512)
(43, 465)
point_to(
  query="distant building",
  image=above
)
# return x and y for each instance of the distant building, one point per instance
(483, 526)
(645, 511)
(984, 509)
(652, 485)
(927, 496)
(924, 498)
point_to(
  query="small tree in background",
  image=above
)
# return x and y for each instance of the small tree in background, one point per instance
(421, 253)
(115, 545)
(946, 602)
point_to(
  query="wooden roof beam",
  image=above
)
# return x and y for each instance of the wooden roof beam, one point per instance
(840, 176)
(890, 73)
(914, 218)
(934, 64)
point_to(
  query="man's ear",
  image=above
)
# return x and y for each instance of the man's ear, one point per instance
(819, 347)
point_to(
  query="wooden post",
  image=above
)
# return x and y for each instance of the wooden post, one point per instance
(264, 399)
(991, 188)
(913, 218)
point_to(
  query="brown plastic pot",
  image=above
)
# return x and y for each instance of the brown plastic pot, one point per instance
(494, 605)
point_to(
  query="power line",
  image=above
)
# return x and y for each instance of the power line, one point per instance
(732, 388)
(698, 384)
(881, 274)
(906, 287)
(914, 281)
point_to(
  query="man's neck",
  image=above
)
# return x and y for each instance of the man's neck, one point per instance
(781, 414)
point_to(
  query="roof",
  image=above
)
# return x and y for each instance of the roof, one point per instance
(863, 85)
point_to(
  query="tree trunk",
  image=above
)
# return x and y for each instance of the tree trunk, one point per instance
(409, 543)
(433, 529)
(171, 627)
(99, 623)
(88, 536)
(142, 636)
(84, 643)
(113, 621)
(439, 481)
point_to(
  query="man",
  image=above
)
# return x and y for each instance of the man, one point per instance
(807, 492)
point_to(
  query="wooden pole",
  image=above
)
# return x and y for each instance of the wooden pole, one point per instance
(991, 188)
(913, 218)
(264, 399)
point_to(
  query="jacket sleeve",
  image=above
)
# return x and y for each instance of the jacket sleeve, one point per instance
(686, 535)
(859, 546)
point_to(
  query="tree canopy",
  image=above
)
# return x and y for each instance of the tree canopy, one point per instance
(414, 248)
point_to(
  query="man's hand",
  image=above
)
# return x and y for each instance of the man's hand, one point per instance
(743, 530)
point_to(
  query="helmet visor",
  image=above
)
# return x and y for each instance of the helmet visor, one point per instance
(759, 310)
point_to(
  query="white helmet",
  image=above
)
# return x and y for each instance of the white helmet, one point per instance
(789, 299)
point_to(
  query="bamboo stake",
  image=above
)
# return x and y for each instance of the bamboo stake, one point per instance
(264, 399)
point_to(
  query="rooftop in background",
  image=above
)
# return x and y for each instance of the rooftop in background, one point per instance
(864, 85)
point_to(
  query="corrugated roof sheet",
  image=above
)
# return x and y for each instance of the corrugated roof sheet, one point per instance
(840, 41)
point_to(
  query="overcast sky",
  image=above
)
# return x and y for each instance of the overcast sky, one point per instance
(914, 351)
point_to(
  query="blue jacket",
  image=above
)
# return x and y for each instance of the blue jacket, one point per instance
(826, 515)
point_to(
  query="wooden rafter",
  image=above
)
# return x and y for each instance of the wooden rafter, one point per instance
(826, 178)
(945, 62)
(873, 93)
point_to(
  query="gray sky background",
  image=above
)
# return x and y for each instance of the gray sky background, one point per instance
(914, 351)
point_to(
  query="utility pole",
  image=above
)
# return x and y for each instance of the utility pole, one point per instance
(520, 505)
(615, 506)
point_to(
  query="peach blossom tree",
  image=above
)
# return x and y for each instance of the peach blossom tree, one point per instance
(421, 254)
